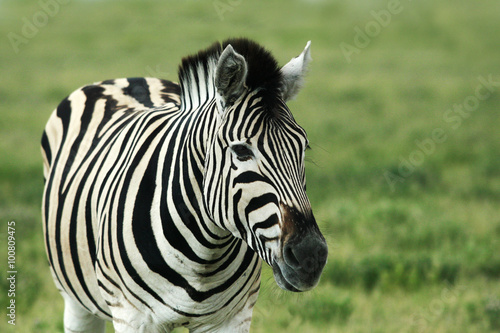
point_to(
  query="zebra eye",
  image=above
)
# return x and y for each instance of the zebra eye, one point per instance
(242, 151)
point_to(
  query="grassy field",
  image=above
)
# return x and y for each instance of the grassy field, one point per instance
(402, 107)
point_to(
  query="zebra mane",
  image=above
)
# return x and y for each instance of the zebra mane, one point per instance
(196, 72)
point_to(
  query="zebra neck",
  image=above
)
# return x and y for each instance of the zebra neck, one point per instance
(200, 129)
(196, 80)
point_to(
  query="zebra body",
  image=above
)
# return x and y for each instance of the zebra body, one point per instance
(161, 199)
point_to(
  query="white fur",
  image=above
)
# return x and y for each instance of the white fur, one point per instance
(293, 73)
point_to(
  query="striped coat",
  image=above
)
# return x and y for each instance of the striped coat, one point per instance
(161, 200)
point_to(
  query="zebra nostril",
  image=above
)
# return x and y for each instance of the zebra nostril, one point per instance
(307, 254)
(290, 258)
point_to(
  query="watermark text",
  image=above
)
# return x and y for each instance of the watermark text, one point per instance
(32, 25)
(11, 272)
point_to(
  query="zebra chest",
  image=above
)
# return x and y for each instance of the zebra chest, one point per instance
(158, 280)
(157, 255)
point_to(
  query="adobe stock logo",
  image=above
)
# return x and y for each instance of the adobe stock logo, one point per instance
(453, 117)
(363, 37)
(31, 26)
(221, 7)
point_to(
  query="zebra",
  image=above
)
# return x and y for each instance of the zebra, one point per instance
(161, 200)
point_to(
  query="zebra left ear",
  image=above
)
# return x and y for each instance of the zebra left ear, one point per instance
(230, 75)
(293, 73)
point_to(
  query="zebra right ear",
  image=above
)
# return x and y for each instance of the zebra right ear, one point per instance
(230, 75)
(293, 73)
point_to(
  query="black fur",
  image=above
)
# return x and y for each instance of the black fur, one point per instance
(263, 70)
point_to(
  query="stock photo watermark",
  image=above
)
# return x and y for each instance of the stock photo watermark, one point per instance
(453, 118)
(157, 72)
(32, 25)
(11, 272)
(420, 321)
(372, 29)
(223, 6)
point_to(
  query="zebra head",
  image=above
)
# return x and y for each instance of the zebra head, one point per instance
(254, 183)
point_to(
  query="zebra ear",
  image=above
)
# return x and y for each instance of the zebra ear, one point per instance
(230, 75)
(293, 73)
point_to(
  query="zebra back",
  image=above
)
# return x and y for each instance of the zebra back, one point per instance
(102, 100)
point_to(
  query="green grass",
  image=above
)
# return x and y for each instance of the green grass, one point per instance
(420, 254)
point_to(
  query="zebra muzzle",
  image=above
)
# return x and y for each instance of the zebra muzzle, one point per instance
(303, 254)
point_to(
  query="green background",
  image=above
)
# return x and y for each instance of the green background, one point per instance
(404, 172)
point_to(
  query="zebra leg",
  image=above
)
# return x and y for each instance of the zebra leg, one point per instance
(121, 326)
(78, 320)
(238, 324)
(240, 320)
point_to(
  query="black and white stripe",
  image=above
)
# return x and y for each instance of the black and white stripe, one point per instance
(161, 199)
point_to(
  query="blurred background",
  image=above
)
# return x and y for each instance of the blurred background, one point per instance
(402, 108)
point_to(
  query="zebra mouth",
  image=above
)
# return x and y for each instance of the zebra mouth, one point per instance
(292, 279)
(280, 279)
(301, 263)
